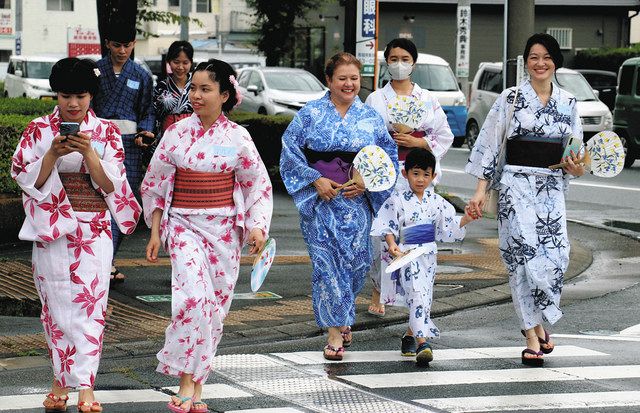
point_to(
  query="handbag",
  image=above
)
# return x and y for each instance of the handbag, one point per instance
(490, 206)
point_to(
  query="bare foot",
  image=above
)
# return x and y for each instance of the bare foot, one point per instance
(375, 308)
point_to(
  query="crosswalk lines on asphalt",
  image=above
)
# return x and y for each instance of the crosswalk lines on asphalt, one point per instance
(296, 382)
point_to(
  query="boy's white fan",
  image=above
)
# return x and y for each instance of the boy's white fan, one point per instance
(406, 113)
(404, 259)
(604, 155)
(373, 169)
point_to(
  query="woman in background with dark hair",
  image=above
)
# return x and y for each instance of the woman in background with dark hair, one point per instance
(73, 184)
(206, 194)
(171, 95)
(537, 118)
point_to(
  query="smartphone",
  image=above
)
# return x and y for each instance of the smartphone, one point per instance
(69, 128)
(573, 144)
(147, 140)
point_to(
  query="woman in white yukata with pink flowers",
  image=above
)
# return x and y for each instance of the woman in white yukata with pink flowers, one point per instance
(205, 194)
(72, 185)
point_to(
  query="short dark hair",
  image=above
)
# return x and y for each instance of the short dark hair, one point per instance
(73, 75)
(338, 59)
(120, 30)
(420, 158)
(180, 46)
(405, 44)
(549, 43)
(221, 72)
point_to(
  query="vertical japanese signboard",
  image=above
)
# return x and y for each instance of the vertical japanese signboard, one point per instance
(82, 41)
(6, 28)
(463, 40)
(366, 35)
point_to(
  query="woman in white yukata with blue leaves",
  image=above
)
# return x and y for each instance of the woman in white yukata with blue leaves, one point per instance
(532, 224)
(318, 148)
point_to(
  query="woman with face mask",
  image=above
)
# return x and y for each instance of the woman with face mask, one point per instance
(433, 134)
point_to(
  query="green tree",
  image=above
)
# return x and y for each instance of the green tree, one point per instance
(147, 14)
(275, 25)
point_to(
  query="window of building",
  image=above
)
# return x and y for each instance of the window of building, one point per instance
(203, 6)
(5, 4)
(60, 5)
(174, 3)
(563, 35)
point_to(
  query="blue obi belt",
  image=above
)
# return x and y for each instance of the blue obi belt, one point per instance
(418, 234)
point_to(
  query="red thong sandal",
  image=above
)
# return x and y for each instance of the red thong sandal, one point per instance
(201, 407)
(86, 407)
(543, 342)
(339, 352)
(56, 400)
(178, 408)
(537, 361)
(347, 337)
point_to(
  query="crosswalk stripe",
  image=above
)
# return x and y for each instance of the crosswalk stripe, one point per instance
(443, 378)
(594, 337)
(535, 402)
(316, 357)
(275, 410)
(216, 391)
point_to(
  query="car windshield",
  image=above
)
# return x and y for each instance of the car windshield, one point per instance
(436, 78)
(39, 70)
(577, 85)
(299, 82)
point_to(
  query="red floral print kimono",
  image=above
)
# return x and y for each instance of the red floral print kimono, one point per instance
(72, 250)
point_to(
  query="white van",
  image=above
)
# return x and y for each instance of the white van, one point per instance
(487, 85)
(434, 74)
(28, 76)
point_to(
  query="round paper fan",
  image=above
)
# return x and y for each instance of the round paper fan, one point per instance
(606, 153)
(406, 111)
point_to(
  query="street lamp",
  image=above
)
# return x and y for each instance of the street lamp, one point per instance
(323, 17)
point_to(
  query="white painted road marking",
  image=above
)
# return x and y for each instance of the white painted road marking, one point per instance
(595, 337)
(535, 402)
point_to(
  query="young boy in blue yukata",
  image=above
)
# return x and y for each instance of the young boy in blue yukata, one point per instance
(416, 217)
(125, 97)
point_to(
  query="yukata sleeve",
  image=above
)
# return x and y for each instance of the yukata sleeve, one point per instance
(383, 140)
(438, 135)
(483, 161)
(158, 104)
(125, 209)
(254, 182)
(48, 212)
(157, 185)
(296, 173)
(146, 113)
(387, 219)
(447, 222)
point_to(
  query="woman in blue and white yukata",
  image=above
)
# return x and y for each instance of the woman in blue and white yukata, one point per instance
(318, 148)
(532, 226)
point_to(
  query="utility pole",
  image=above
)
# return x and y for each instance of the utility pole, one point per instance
(18, 34)
(185, 7)
(520, 24)
(349, 26)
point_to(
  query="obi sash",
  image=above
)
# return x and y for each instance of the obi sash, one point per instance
(534, 152)
(334, 165)
(403, 151)
(171, 119)
(81, 193)
(418, 234)
(193, 190)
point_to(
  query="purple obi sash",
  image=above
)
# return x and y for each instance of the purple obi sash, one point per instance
(334, 165)
(403, 151)
(418, 234)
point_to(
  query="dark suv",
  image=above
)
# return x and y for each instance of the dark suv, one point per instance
(604, 82)
(626, 122)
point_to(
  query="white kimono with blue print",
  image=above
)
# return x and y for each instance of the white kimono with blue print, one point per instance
(532, 225)
(412, 285)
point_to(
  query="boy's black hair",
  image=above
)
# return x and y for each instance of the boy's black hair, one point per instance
(420, 158)
(72, 75)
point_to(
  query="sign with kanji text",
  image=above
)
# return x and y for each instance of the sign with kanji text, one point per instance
(82, 41)
(6, 28)
(463, 41)
(366, 17)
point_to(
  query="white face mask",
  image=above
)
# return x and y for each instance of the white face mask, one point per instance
(400, 70)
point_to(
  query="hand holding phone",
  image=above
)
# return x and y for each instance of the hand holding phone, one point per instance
(68, 128)
(147, 140)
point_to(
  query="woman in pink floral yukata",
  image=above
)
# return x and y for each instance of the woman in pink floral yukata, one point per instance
(71, 187)
(205, 194)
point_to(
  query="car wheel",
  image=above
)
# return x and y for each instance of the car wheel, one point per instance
(262, 111)
(472, 133)
(630, 156)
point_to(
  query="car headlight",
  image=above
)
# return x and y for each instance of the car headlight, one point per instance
(608, 121)
(461, 101)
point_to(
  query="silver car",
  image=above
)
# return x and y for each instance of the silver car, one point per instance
(277, 90)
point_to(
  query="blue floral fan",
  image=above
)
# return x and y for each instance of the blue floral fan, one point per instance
(406, 113)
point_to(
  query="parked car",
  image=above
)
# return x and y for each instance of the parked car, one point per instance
(434, 74)
(277, 90)
(487, 85)
(28, 76)
(604, 82)
(626, 122)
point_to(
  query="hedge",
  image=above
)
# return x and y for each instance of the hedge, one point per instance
(605, 58)
(15, 115)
